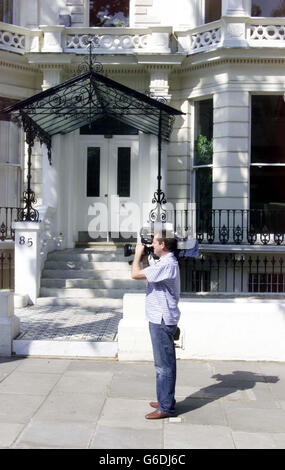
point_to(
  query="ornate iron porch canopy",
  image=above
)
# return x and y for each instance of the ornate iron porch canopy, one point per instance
(82, 100)
(88, 97)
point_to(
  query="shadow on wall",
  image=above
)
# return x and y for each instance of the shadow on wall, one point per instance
(229, 384)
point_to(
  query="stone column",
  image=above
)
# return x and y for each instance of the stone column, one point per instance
(236, 7)
(234, 14)
(9, 323)
(231, 150)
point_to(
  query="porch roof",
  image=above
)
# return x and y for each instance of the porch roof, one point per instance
(88, 97)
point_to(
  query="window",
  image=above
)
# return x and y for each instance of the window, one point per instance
(124, 172)
(213, 10)
(203, 162)
(109, 12)
(268, 8)
(93, 172)
(267, 172)
(6, 11)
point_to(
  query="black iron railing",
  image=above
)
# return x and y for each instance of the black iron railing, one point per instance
(237, 273)
(6, 269)
(231, 226)
(7, 216)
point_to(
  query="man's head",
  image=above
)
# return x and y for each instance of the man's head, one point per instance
(164, 242)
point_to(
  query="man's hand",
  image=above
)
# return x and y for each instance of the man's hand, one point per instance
(139, 250)
(137, 272)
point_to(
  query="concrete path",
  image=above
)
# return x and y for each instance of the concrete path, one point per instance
(100, 404)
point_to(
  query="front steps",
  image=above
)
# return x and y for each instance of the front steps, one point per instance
(97, 276)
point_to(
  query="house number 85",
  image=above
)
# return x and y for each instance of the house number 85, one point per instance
(22, 241)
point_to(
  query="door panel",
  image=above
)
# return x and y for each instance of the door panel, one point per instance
(108, 185)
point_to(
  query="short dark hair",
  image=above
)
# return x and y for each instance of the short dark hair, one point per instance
(168, 238)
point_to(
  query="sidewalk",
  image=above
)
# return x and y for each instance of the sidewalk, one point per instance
(69, 403)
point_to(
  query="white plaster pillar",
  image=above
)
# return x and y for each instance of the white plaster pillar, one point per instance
(234, 14)
(27, 13)
(159, 83)
(231, 155)
(51, 76)
(9, 323)
(236, 7)
(27, 259)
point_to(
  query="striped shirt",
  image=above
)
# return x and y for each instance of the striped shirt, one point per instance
(163, 290)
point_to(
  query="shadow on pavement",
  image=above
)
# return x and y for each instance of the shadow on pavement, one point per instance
(228, 384)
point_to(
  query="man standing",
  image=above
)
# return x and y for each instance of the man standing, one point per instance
(162, 296)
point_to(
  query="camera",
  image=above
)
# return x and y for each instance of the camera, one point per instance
(146, 239)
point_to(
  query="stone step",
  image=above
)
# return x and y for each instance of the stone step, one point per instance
(86, 274)
(128, 284)
(84, 293)
(82, 265)
(99, 304)
(108, 256)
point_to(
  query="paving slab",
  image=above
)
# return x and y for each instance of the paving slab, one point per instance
(46, 435)
(70, 407)
(255, 420)
(107, 437)
(126, 413)
(31, 383)
(18, 408)
(250, 440)
(200, 411)
(9, 433)
(184, 436)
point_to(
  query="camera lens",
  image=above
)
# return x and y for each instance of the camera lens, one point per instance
(129, 249)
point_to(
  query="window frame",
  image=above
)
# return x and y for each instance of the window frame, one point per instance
(258, 164)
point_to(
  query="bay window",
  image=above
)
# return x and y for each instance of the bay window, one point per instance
(203, 162)
(267, 171)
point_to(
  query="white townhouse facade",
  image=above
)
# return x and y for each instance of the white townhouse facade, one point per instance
(219, 63)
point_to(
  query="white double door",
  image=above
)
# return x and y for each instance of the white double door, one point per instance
(109, 188)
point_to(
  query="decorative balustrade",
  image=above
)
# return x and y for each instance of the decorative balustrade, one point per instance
(266, 32)
(202, 40)
(226, 32)
(18, 39)
(106, 42)
(231, 226)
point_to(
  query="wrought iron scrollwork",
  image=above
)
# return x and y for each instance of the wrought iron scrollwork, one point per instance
(89, 62)
(158, 213)
(238, 235)
(224, 234)
(28, 213)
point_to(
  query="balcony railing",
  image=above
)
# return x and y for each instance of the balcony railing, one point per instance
(231, 226)
(7, 216)
(226, 32)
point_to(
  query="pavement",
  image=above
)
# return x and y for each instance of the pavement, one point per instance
(62, 403)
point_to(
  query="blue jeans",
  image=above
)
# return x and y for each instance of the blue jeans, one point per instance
(162, 337)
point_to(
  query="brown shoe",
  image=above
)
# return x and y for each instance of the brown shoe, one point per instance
(157, 414)
(154, 404)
